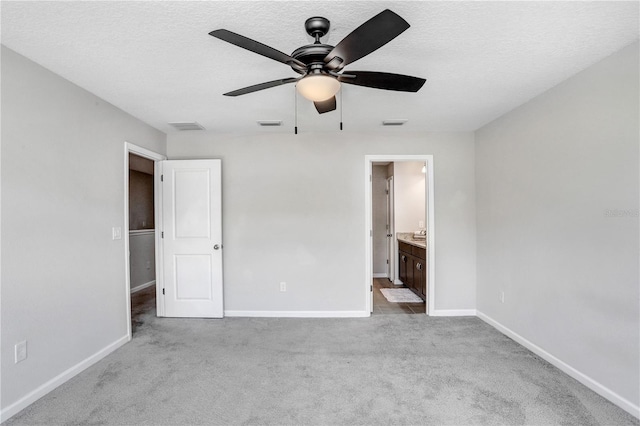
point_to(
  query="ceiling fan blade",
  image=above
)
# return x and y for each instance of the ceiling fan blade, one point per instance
(261, 86)
(383, 80)
(370, 36)
(326, 106)
(256, 47)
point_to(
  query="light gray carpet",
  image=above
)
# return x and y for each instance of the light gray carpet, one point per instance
(390, 369)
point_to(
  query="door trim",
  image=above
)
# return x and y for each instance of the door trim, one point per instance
(151, 155)
(430, 219)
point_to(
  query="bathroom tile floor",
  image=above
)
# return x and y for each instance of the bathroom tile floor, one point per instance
(382, 306)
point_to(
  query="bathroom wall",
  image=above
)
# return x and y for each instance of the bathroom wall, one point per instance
(409, 195)
(142, 259)
(140, 200)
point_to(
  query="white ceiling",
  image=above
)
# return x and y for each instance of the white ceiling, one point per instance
(155, 59)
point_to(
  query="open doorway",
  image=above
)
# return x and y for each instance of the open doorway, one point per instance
(142, 262)
(400, 244)
(140, 218)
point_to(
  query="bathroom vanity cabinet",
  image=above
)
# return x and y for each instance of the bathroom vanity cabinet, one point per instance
(413, 267)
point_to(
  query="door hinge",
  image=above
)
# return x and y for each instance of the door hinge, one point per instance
(387, 261)
(161, 178)
(370, 178)
(386, 192)
(372, 288)
(371, 232)
(163, 291)
(161, 234)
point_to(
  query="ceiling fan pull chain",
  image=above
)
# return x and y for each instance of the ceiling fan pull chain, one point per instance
(295, 100)
(341, 109)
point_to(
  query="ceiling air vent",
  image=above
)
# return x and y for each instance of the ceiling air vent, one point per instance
(269, 123)
(187, 126)
(394, 122)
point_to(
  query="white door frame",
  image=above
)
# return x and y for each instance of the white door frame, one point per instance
(142, 152)
(430, 213)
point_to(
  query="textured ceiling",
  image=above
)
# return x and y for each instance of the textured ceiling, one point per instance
(155, 59)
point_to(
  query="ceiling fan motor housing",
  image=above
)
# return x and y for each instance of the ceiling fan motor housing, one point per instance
(310, 54)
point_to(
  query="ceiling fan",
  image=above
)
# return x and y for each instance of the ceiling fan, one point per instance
(321, 65)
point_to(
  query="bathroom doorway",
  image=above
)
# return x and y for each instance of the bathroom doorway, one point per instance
(399, 209)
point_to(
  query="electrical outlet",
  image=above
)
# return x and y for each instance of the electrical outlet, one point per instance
(21, 351)
(116, 233)
(283, 286)
(502, 297)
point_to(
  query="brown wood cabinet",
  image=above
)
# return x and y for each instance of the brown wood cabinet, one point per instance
(413, 268)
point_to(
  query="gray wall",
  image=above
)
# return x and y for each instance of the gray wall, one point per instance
(548, 174)
(285, 218)
(141, 209)
(62, 191)
(409, 195)
(142, 259)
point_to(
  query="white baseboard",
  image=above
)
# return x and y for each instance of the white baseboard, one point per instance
(595, 386)
(298, 314)
(44, 389)
(379, 275)
(453, 313)
(143, 286)
(398, 282)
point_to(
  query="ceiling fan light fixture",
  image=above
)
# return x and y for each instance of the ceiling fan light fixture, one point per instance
(318, 87)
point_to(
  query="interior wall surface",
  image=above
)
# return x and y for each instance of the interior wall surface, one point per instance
(409, 196)
(557, 219)
(284, 218)
(142, 259)
(141, 208)
(63, 177)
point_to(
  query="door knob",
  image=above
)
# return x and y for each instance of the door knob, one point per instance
(216, 247)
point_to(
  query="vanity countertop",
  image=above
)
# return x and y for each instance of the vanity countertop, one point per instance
(407, 237)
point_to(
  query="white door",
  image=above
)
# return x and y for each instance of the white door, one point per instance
(192, 238)
(391, 253)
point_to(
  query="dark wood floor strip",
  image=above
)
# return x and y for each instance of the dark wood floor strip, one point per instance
(381, 306)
